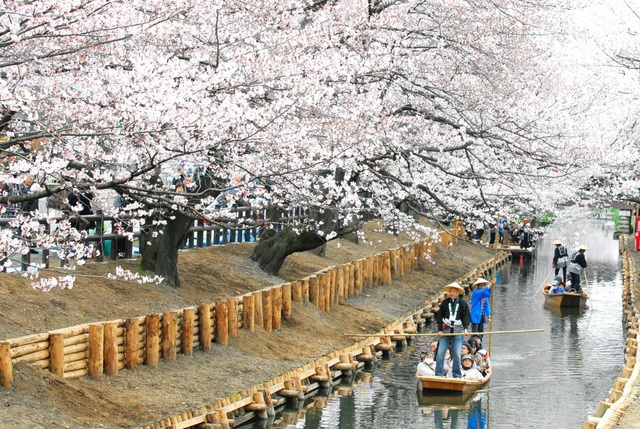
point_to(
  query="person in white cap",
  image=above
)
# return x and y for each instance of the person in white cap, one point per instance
(453, 317)
(480, 308)
(577, 265)
(560, 259)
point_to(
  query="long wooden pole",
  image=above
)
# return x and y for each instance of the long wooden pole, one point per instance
(543, 282)
(435, 334)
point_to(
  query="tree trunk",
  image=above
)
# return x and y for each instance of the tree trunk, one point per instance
(271, 253)
(160, 253)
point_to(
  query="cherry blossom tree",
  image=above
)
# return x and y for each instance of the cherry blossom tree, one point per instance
(394, 109)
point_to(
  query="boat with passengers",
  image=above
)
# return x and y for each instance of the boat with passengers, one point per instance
(448, 385)
(565, 299)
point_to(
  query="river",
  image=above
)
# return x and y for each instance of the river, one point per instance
(550, 379)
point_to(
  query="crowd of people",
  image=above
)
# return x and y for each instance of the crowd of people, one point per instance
(506, 233)
(451, 355)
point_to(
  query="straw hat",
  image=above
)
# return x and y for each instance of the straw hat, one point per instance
(481, 281)
(557, 242)
(455, 286)
(583, 247)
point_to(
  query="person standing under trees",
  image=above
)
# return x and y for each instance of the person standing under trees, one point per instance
(479, 229)
(577, 265)
(492, 233)
(83, 199)
(480, 308)
(452, 318)
(560, 259)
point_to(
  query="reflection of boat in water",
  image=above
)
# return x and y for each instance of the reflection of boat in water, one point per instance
(450, 385)
(446, 400)
(565, 311)
(565, 299)
(471, 413)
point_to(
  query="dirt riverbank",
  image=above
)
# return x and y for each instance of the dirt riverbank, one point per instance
(41, 400)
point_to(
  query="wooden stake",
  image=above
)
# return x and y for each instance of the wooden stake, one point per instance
(56, 353)
(204, 324)
(96, 350)
(232, 306)
(169, 333)
(222, 323)
(248, 313)
(111, 348)
(188, 327)
(267, 310)
(257, 302)
(131, 358)
(296, 291)
(286, 300)
(276, 301)
(152, 322)
(340, 284)
(6, 368)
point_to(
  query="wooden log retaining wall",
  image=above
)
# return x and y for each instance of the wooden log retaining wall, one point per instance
(252, 403)
(609, 411)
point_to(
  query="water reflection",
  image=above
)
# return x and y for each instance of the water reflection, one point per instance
(550, 379)
(456, 411)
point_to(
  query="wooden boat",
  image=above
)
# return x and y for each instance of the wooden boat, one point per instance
(566, 299)
(451, 385)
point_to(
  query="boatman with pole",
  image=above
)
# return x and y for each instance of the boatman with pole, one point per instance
(577, 266)
(452, 317)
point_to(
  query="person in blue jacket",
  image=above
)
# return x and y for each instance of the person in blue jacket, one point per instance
(480, 307)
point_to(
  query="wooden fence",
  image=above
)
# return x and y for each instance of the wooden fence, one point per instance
(244, 225)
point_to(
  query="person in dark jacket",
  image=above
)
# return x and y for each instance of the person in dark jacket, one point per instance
(577, 266)
(452, 317)
(560, 259)
(82, 198)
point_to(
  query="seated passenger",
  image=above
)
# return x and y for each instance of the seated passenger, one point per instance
(427, 365)
(484, 367)
(477, 339)
(557, 286)
(466, 349)
(473, 351)
(469, 370)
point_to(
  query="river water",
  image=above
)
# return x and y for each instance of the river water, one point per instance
(551, 379)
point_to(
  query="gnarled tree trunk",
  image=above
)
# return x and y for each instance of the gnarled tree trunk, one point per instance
(270, 253)
(160, 253)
